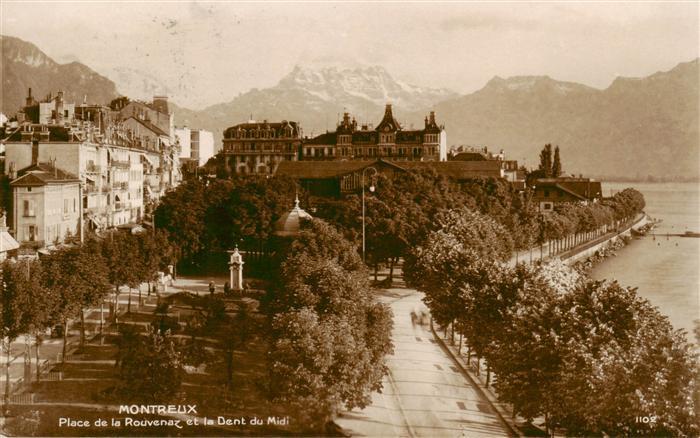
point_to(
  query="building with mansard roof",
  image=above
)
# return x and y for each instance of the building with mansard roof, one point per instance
(388, 141)
(259, 147)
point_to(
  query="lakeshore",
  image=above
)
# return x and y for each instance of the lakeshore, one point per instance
(663, 268)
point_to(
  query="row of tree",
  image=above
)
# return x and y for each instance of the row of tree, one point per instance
(151, 364)
(329, 338)
(37, 295)
(588, 356)
(569, 219)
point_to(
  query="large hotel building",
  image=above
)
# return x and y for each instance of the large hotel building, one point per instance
(256, 147)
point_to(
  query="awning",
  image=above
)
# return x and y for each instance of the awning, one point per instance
(7, 242)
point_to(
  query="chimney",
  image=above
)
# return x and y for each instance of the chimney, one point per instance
(432, 117)
(30, 99)
(160, 103)
(35, 152)
(27, 133)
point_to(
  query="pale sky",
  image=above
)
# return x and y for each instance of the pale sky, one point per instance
(210, 52)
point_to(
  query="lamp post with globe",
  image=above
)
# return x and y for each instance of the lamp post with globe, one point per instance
(371, 189)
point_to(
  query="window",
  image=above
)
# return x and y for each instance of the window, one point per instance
(31, 233)
(28, 208)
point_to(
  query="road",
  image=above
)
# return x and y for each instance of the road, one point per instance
(424, 394)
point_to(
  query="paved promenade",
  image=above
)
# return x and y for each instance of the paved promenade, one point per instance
(425, 394)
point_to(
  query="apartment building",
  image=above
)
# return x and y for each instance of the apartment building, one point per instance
(122, 166)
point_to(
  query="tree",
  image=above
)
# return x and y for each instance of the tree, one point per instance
(181, 213)
(623, 357)
(546, 161)
(204, 217)
(556, 164)
(78, 278)
(302, 371)
(121, 254)
(40, 310)
(529, 356)
(92, 274)
(21, 287)
(330, 338)
(150, 367)
(236, 333)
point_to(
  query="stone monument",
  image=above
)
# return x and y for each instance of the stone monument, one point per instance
(236, 269)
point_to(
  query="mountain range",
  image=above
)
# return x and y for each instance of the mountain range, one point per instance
(25, 66)
(637, 127)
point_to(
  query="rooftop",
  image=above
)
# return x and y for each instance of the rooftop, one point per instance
(42, 174)
(289, 224)
(459, 170)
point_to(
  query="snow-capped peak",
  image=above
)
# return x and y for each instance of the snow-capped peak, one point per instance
(370, 83)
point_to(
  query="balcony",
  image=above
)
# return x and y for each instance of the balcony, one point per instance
(123, 185)
(120, 164)
(90, 189)
(33, 244)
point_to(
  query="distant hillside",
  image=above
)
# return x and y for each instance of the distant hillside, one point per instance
(317, 98)
(25, 66)
(634, 128)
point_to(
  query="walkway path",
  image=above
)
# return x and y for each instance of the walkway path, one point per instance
(424, 393)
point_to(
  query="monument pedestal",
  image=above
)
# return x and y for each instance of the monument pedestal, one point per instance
(236, 271)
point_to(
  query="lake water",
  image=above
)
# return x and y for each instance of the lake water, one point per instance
(665, 270)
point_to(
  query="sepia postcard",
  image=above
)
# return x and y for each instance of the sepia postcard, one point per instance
(366, 218)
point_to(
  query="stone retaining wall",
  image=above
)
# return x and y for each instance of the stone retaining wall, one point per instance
(586, 251)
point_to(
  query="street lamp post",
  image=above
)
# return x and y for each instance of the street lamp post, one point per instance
(371, 189)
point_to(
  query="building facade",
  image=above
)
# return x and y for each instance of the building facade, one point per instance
(550, 191)
(259, 147)
(511, 171)
(196, 145)
(46, 206)
(388, 141)
(123, 165)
